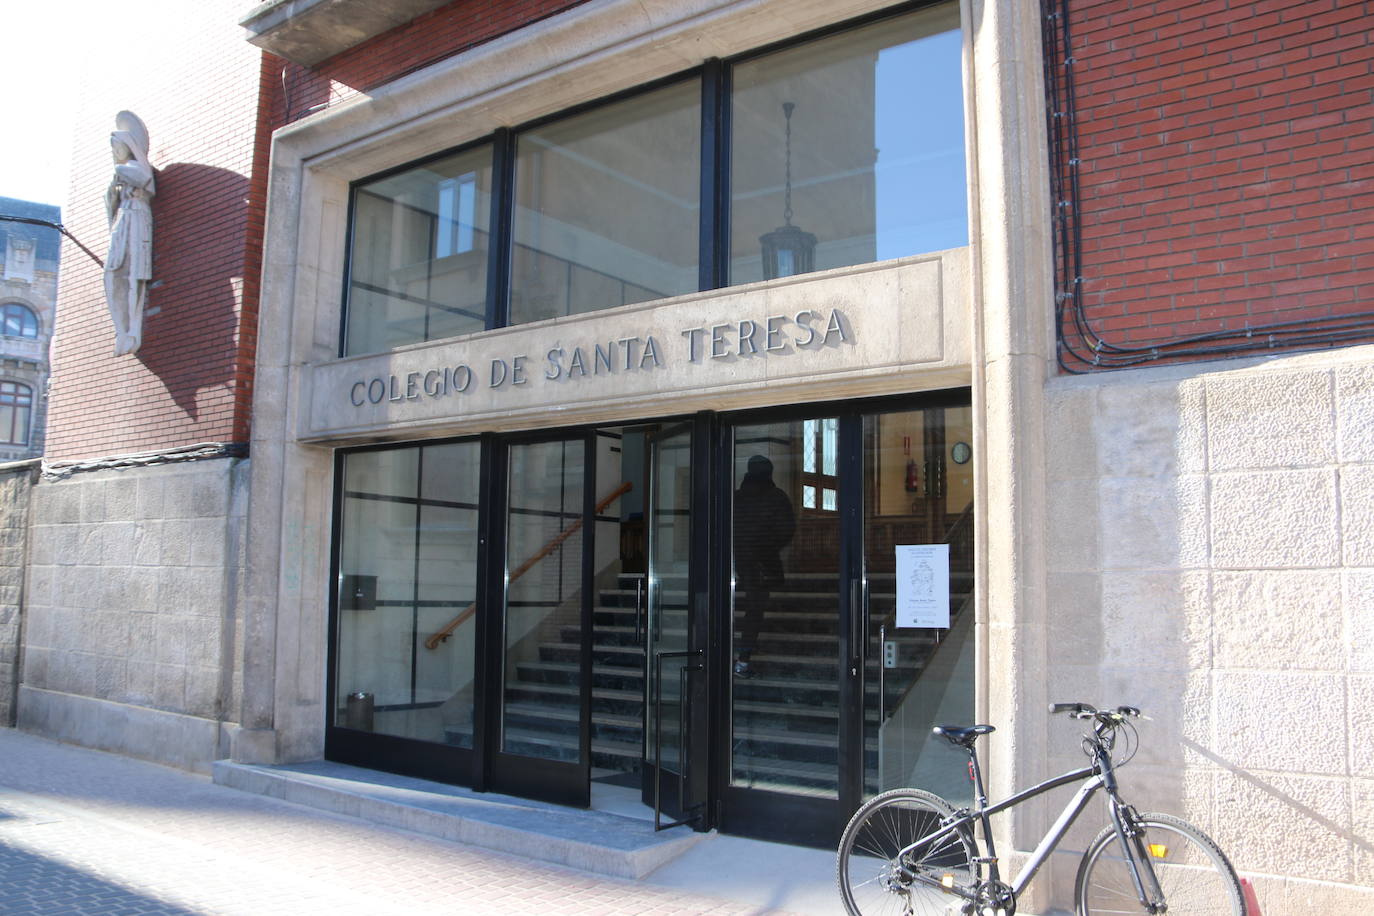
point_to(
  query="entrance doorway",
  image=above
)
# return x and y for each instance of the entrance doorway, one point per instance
(751, 620)
(842, 524)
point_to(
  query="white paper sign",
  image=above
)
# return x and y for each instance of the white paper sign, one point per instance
(923, 585)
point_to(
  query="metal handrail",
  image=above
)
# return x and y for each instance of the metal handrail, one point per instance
(432, 642)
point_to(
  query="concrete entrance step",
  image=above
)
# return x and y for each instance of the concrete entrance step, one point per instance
(595, 841)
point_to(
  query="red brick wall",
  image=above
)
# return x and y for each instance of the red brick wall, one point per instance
(1227, 175)
(432, 37)
(191, 380)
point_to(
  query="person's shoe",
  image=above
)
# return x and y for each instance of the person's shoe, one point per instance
(743, 669)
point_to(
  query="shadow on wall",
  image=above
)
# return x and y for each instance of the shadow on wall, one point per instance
(200, 217)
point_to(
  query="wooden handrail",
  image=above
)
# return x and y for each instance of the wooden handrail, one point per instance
(446, 631)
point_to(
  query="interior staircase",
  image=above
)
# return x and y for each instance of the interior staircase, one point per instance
(785, 717)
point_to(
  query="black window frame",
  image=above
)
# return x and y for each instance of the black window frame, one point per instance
(714, 77)
(17, 396)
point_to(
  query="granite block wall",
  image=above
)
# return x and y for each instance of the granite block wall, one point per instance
(133, 635)
(1211, 554)
(16, 480)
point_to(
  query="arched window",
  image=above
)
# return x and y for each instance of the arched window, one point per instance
(16, 406)
(18, 320)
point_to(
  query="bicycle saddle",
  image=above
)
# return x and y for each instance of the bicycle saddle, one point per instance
(962, 736)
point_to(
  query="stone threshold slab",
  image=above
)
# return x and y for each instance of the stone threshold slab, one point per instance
(595, 841)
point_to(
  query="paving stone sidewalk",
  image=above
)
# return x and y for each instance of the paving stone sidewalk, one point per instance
(93, 834)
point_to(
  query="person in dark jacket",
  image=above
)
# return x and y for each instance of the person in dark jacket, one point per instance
(764, 524)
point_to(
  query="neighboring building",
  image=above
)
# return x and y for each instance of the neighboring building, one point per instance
(28, 299)
(717, 390)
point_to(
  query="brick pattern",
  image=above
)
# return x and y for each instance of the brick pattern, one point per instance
(191, 380)
(1227, 174)
(425, 40)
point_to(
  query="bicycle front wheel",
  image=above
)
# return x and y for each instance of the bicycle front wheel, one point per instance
(876, 878)
(1193, 873)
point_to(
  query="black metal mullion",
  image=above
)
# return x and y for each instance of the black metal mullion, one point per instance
(415, 572)
(588, 599)
(335, 560)
(701, 635)
(853, 625)
(502, 223)
(489, 670)
(714, 249)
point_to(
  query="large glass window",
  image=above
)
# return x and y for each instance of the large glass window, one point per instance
(849, 149)
(418, 269)
(607, 206)
(842, 150)
(16, 407)
(408, 592)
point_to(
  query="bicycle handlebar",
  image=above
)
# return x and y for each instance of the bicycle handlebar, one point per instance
(1088, 711)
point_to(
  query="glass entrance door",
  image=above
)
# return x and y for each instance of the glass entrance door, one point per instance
(849, 601)
(918, 570)
(543, 740)
(675, 684)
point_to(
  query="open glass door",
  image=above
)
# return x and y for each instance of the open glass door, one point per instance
(542, 748)
(918, 566)
(675, 686)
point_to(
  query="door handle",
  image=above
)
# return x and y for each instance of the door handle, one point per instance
(639, 612)
(858, 621)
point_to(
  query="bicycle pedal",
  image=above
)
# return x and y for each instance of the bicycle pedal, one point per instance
(984, 860)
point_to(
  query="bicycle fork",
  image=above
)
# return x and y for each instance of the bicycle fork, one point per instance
(1132, 838)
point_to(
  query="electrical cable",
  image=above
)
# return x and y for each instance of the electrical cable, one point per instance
(1069, 308)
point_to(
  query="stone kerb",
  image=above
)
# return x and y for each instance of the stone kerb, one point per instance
(1210, 552)
(131, 616)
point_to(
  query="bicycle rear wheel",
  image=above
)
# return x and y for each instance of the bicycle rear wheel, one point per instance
(1193, 873)
(872, 881)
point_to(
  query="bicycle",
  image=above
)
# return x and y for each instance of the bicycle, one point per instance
(910, 852)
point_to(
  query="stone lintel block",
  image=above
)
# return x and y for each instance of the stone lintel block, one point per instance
(1138, 430)
(1357, 514)
(121, 498)
(1355, 413)
(117, 543)
(1152, 523)
(1361, 727)
(1281, 720)
(1358, 600)
(1270, 420)
(1070, 429)
(1278, 620)
(1362, 807)
(1274, 520)
(1072, 524)
(92, 501)
(1284, 823)
(1075, 619)
(1156, 618)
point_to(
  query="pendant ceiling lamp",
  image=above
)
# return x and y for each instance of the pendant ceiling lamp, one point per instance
(787, 250)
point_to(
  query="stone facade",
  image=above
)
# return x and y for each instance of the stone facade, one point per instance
(133, 637)
(1209, 551)
(28, 280)
(16, 481)
(1195, 540)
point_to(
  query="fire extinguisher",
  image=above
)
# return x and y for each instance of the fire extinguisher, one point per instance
(913, 474)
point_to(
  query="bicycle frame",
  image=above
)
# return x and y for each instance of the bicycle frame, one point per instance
(1098, 776)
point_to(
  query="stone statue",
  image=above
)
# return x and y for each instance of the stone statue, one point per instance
(129, 264)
